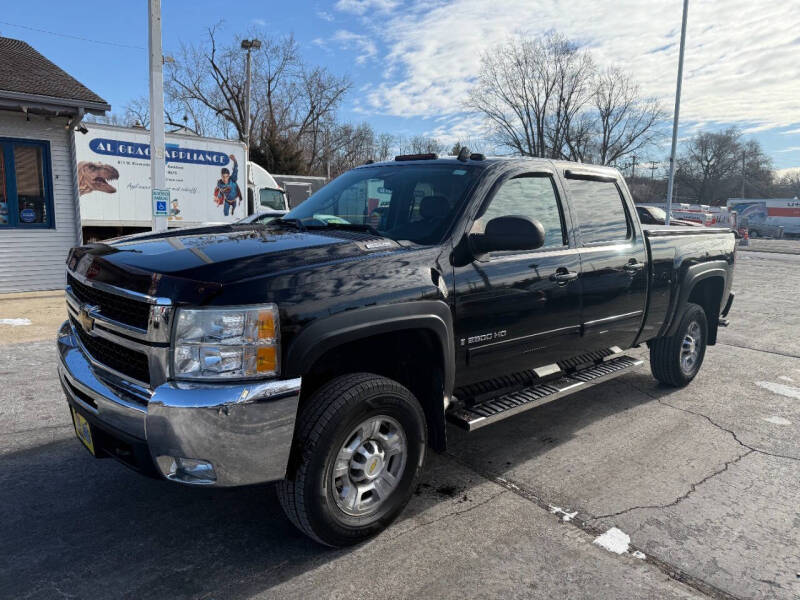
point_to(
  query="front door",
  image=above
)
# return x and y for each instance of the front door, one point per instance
(613, 262)
(518, 310)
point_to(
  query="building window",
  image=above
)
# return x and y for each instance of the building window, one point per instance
(26, 195)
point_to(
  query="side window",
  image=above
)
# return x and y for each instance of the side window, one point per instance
(530, 196)
(600, 210)
(25, 194)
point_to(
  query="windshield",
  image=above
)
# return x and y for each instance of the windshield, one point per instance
(416, 203)
(269, 198)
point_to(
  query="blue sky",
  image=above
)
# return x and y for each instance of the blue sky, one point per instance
(411, 62)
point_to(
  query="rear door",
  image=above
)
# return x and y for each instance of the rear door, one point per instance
(517, 310)
(613, 260)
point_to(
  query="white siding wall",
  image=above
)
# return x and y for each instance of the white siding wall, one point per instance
(33, 259)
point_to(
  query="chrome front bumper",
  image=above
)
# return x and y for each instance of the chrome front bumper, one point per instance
(242, 432)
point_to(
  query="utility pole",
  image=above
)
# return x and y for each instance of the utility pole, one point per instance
(677, 113)
(652, 169)
(744, 154)
(158, 178)
(633, 167)
(248, 45)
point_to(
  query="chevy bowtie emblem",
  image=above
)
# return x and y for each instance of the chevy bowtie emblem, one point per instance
(85, 318)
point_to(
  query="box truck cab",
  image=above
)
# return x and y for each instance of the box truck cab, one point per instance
(263, 192)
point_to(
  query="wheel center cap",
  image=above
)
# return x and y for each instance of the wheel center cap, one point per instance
(374, 467)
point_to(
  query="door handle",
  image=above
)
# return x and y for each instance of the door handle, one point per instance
(563, 277)
(633, 267)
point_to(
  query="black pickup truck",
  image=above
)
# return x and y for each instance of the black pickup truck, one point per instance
(328, 349)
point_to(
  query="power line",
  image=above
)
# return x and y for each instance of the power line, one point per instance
(73, 37)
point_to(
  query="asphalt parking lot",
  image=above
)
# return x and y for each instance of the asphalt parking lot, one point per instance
(705, 481)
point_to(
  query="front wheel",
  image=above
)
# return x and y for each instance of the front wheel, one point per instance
(360, 448)
(675, 360)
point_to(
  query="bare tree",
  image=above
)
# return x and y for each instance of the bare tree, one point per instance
(137, 112)
(788, 184)
(626, 122)
(420, 144)
(384, 145)
(544, 97)
(531, 90)
(711, 167)
(289, 100)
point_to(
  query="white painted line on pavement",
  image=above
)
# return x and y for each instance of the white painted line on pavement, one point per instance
(776, 420)
(614, 540)
(15, 322)
(779, 388)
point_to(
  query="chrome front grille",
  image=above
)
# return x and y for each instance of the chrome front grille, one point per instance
(123, 360)
(121, 331)
(123, 310)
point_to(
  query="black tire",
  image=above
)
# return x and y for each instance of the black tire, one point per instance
(752, 233)
(666, 352)
(324, 426)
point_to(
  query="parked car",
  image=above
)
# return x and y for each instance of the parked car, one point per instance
(328, 349)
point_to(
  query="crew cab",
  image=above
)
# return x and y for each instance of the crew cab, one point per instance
(328, 349)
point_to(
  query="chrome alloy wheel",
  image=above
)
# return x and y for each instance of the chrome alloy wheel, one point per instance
(690, 348)
(369, 465)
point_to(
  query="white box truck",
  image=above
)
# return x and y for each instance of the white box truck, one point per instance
(768, 217)
(205, 177)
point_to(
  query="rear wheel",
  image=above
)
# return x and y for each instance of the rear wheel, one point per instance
(361, 444)
(676, 360)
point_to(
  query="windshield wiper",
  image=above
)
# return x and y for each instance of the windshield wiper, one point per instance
(349, 226)
(296, 223)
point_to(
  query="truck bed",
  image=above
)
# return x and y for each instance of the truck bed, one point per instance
(673, 251)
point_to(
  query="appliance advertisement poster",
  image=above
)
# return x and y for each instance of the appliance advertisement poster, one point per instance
(206, 178)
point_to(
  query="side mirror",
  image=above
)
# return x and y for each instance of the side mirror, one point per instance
(513, 232)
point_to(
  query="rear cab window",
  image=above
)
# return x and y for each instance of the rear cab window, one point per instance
(600, 210)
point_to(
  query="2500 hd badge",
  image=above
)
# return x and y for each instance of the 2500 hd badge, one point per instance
(486, 337)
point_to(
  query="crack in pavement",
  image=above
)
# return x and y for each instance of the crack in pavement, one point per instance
(583, 524)
(784, 354)
(715, 424)
(692, 488)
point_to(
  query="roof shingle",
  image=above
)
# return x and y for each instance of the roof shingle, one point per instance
(24, 70)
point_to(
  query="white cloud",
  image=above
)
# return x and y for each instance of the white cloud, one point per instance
(325, 15)
(791, 132)
(741, 57)
(348, 40)
(360, 7)
(259, 22)
(788, 171)
(789, 149)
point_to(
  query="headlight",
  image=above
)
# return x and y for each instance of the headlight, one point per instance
(227, 343)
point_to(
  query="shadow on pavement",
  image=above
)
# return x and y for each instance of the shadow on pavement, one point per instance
(92, 529)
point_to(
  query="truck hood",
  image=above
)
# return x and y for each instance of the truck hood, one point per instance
(206, 258)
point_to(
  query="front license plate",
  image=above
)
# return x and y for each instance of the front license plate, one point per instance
(83, 430)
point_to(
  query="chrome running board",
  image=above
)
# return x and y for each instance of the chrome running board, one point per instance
(501, 407)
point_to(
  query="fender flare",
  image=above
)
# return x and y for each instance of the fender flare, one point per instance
(327, 333)
(694, 275)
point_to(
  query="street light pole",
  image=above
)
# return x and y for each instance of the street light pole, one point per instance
(157, 164)
(248, 45)
(677, 112)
